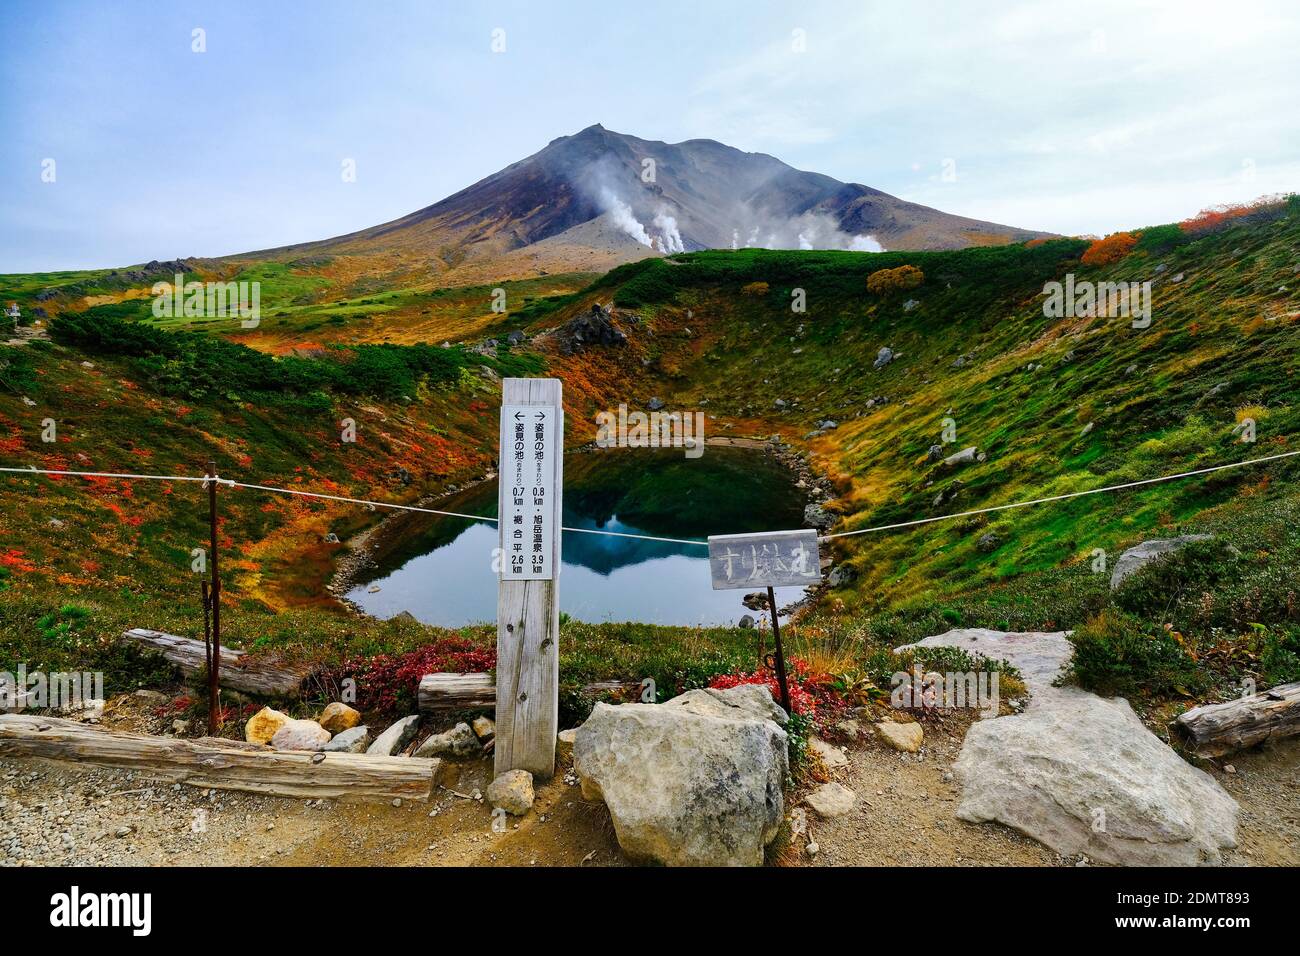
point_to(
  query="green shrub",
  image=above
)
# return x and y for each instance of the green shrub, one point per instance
(1117, 655)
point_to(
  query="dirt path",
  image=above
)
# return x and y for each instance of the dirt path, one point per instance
(904, 813)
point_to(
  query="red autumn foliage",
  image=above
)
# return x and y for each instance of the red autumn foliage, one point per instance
(806, 688)
(1111, 249)
(387, 683)
(1216, 217)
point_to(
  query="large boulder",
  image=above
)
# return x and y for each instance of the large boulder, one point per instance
(694, 781)
(1084, 775)
(1080, 773)
(1143, 554)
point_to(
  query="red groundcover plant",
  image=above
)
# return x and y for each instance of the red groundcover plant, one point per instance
(805, 687)
(387, 683)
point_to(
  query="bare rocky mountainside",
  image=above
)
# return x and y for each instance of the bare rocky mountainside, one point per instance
(599, 198)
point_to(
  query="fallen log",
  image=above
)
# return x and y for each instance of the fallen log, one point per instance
(624, 691)
(223, 764)
(265, 677)
(470, 691)
(1214, 730)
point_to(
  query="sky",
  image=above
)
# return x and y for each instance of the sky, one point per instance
(124, 143)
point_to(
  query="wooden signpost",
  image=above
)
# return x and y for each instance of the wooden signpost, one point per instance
(530, 480)
(773, 559)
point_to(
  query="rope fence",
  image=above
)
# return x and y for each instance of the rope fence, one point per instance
(270, 489)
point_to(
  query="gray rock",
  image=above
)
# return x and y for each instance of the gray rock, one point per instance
(655, 404)
(988, 542)
(695, 781)
(354, 740)
(964, 457)
(746, 620)
(840, 575)
(1143, 554)
(515, 337)
(395, 737)
(910, 304)
(755, 600)
(883, 357)
(512, 791)
(828, 424)
(460, 741)
(816, 516)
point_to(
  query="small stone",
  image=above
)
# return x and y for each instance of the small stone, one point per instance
(1229, 768)
(512, 791)
(564, 741)
(831, 800)
(484, 728)
(812, 848)
(397, 801)
(300, 735)
(395, 737)
(338, 717)
(261, 727)
(831, 756)
(354, 740)
(460, 741)
(905, 737)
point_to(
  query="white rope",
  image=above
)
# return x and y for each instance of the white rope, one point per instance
(1072, 494)
(646, 537)
(110, 474)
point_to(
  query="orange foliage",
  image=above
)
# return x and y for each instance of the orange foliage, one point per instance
(1111, 249)
(884, 281)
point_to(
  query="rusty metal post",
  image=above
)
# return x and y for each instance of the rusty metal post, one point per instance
(214, 599)
(780, 654)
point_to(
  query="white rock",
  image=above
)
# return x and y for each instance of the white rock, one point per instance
(300, 735)
(395, 737)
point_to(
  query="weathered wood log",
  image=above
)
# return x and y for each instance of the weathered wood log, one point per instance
(624, 691)
(224, 764)
(470, 691)
(1214, 730)
(265, 677)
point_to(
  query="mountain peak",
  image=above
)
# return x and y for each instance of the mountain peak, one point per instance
(604, 197)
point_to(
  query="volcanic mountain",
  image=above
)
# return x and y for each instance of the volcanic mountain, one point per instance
(598, 198)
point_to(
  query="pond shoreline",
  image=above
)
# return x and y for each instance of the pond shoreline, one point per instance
(362, 547)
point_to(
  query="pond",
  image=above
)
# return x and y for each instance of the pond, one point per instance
(440, 569)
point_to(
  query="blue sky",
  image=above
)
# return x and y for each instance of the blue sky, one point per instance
(1078, 117)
